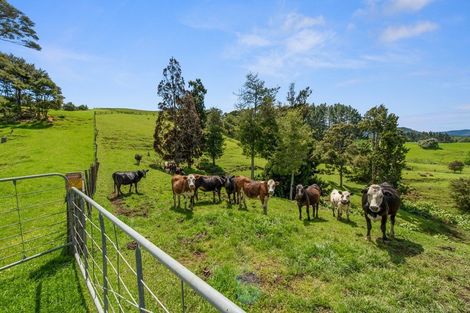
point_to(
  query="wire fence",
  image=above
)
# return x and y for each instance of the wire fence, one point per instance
(113, 256)
(123, 271)
(33, 211)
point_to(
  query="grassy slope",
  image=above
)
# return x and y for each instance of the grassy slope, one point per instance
(49, 283)
(302, 266)
(429, 174)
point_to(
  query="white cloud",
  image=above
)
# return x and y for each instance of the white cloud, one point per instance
(253, 40)
(295, 21)
(397, 6)
(394, 33)
(305, 40)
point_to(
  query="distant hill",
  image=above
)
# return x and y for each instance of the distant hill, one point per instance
(459, 133)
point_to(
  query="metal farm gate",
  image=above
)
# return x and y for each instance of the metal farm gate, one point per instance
(123, 271)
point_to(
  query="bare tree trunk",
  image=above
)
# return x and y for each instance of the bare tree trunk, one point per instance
(291, 185)
(252, 163)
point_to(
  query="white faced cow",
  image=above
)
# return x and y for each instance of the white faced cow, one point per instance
(258, 189)
(378, 202)
(183, 185)
(340, 201)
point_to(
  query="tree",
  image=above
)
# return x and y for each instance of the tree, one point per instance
(256, 126)
(298, 99)
(387, 151)
(214, 138)
(456, 166)
(337, 146)
(188, 130)
(293, 146)
(459, 192)
(198, 91)
(171, 89)
(16, 27)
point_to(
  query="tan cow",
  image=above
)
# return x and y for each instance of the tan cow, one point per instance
(183, 185)
(239, 182)
(258, 189)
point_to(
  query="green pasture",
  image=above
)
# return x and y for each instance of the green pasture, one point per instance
(273, 263)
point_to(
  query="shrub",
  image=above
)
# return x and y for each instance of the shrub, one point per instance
(82, 107)
(430, 143)
(459, 189)
(456, 166)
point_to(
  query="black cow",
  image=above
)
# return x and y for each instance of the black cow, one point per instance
(231, 188)
(378, 202)
(210, 183)
(127, 178)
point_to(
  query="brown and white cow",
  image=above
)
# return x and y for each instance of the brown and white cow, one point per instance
(239, 182)
(340, 201)
(183, 185)
(258, 189)
(308, 196)
(378, 202)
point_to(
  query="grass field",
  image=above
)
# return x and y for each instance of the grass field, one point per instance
(276, 262)
(50, 283)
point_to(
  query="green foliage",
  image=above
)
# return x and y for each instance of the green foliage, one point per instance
(198, 91)
(430, 143)
(467, 159)
(294, 144)
(178, 134)
(413, 135)
(16, 27)
(299, 99)
(28, 92)
(257, 124)
(337, 147)
(69, 106)
(387, 151)
(460, 192)
(214, 138)
(321, 117)
(456, 166)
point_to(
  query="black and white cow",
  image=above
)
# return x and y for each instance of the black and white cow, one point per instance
(340, 201)
(378, 202)
(127, 178)
(210, 183)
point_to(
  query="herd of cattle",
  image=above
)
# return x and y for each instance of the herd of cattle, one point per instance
(378, 201)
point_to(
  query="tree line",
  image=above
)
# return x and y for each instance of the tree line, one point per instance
(295, 136)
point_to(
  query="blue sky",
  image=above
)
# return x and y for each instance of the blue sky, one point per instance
(411, 55)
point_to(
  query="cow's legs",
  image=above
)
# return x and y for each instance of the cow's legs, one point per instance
(316, 209)
(369, 226)
(130, 188)
(308, 211)
(174, 200)
(383, 227)
(218, 193)
(392, 226)
(191, 202)
(333, 209)
(347, 212)
(213, 196)
(339, 213)
(264, 201)
(179, 201)
(119, 190)
(300, 211)
(136, 191)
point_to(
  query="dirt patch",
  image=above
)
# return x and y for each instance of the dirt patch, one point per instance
(132, 245)
(199, 254)
(121, 209)
(206, 272)
(196, 238)
(249, 278)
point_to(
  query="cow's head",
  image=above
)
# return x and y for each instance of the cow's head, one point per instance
(299, 191)
(345, 197)
(143, 173)
(375, 197)
(272, 186)
(191, 179)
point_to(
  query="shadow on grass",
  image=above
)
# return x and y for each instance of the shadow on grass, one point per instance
(400, 249)
(308, 222)
(29, 125)
(348, 222)
(431, 225)
(188, 213)
(50, 269)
